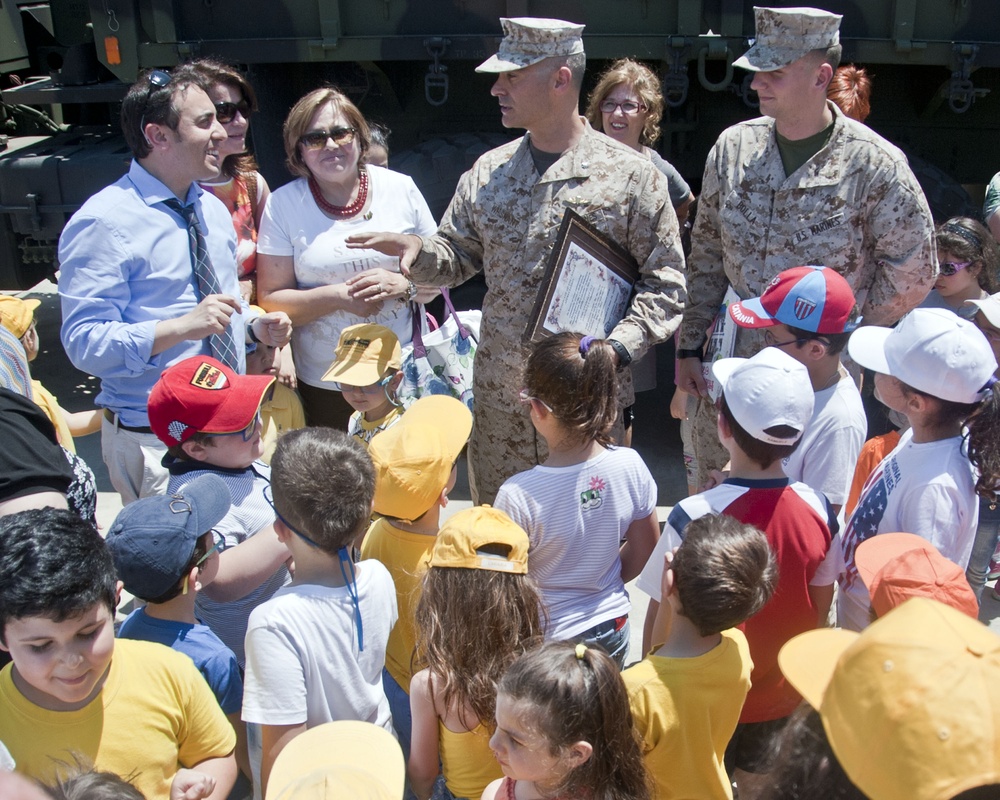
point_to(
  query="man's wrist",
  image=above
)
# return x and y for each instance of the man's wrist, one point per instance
(250, 331)
(624, 356)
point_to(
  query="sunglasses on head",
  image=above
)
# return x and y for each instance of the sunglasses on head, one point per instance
(314, 140)
(226, 112)
(949, 268)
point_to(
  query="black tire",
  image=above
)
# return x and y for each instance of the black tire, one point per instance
(435, 166)
(946, 196)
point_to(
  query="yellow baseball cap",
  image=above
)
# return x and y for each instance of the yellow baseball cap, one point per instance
(340, 759)
(16, 314)
(471, 538)
(364, 354)
(911, 705)
(413, 459)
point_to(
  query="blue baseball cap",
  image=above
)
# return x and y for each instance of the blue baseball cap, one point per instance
(152, 540)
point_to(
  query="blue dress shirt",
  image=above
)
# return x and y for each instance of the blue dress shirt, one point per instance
(125, 265)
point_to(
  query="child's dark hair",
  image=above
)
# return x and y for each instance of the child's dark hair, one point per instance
(323, 482)
(54, 565)
(469, 659)
(982, 432)
(578, 383)
(200, 549)
(835, 342)
(580, 696)
(80, 781)
(970, 240)
(764, 454)
(724, 572)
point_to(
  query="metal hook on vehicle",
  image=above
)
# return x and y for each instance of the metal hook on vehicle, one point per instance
(436, 79)
(703, 78)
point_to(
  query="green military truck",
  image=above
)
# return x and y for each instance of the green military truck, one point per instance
(65, 65)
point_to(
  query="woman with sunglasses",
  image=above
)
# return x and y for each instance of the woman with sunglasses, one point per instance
(241, 187)
(968, 265)
(303, 264)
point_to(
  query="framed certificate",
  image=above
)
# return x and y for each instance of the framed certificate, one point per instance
(587, 285)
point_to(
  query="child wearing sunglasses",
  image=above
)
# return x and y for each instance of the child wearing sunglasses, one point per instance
(367, 367)
(968, 266)
(165, 553)
(209, 418)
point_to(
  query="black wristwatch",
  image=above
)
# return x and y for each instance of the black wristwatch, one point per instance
(685, 353)
(624, 357)
(250, 333)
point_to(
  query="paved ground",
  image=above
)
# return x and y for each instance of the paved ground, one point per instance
(656, 438)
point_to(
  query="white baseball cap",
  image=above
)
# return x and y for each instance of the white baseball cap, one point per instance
(931, 349)
(770, 389)
(990, 306)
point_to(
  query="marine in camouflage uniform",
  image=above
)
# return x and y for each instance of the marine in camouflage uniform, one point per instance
(504, 219)
(854, 206)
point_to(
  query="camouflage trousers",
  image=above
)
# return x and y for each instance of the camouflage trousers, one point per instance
(504, 443)
(709, 453)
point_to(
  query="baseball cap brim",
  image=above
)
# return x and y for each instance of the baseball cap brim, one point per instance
(496, 64)
(366, 751)
(751, 314)
(990, 306)
(760, 58)
(867, 347)
(240, 406)
(877, 551)
(808, 660)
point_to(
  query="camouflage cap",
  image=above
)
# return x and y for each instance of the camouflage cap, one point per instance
(785, 35)
(528, 40)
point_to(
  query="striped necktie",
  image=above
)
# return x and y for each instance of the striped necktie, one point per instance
(223, 344)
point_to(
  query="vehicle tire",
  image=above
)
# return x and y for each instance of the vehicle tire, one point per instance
(945, 196)
(435, 166)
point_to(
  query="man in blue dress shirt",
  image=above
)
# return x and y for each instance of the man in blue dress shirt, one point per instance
(131, 302)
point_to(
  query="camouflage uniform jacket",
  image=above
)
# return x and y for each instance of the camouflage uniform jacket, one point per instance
(504, 219)
(854, 206)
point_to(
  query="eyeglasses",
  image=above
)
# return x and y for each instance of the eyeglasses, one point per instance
(314, 140)
(374, 388)
(248, 432)
(526, 398)
(949, 268)
(770, 342)
(226, 112)
(269, 497)
(208, 555)
(629, 107)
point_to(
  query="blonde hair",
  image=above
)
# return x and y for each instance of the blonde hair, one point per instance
(297, 123)
(646, 85)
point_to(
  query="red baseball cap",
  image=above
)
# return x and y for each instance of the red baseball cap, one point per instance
(815, 299)
(201, 394)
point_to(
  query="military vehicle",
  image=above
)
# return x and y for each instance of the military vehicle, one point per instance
(65, 65)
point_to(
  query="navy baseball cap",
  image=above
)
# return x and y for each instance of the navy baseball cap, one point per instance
(152, 540)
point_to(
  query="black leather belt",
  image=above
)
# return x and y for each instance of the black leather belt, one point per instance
(110, 417)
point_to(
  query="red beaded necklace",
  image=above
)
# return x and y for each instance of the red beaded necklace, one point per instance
(342, 212)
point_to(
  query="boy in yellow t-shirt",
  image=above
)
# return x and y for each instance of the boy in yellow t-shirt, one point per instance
(415, 469)
(136, 709)
(367, 367)
(18, 316)
(686, 695)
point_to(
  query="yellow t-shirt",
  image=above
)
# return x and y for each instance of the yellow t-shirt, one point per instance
(404, 554)
(467, 763)
(283, 412)
(48, 403)
(686, 710)
(154, 715)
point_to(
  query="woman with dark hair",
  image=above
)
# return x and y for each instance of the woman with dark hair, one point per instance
(968, 266)
(241, 187)
(304, 267)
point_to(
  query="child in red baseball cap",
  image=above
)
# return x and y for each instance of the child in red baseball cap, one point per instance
(209, 418)
(809, 313)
